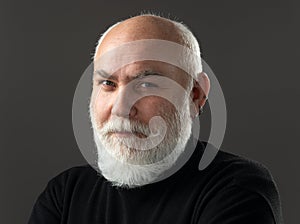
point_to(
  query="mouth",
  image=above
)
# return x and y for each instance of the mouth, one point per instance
(126, 134)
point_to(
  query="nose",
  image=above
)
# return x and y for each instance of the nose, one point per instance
(124, 105)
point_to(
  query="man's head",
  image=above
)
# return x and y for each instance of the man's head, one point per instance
(138, 129)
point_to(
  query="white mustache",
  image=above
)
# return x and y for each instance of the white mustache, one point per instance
(118, 124)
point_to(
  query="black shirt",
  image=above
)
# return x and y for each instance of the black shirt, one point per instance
(230, 190)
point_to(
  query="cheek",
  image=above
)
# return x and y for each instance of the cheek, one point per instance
(101, 110)
(154, 106)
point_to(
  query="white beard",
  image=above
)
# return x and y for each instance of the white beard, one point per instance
(128, 167)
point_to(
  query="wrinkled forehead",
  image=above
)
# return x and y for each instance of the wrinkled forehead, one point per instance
(150, 54)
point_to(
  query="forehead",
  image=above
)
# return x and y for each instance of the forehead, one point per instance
(165, 57)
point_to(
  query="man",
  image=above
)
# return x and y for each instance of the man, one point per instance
(145, 97)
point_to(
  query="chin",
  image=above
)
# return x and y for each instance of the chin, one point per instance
(130, 168)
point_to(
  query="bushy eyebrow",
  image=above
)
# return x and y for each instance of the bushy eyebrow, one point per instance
(139, 75)
(104, 74)
(146, 73)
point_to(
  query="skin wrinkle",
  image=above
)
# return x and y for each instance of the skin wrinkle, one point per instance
(120, 163)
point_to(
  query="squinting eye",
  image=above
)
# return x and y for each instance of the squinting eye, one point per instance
(148, 85)
(107, 85)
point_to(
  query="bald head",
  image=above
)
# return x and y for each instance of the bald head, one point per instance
(146, 27)
(151, 27)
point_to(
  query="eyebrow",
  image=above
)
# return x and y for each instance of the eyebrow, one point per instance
(104, 74)
(139, 75)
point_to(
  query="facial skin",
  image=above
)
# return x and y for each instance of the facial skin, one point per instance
(110, 105)
(137, 94)
(112, 89)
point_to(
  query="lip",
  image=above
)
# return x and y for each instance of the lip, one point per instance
(127, 134)
(122, 134)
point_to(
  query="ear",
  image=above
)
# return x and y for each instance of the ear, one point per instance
(200, 92)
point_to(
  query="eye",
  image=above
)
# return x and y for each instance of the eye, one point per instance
(107, 84)
(148, 85)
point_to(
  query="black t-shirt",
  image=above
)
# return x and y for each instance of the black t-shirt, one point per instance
(230, 190)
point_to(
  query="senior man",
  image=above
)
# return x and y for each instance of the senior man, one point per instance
(147, 89)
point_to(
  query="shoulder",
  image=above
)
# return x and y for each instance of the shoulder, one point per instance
(77, 171)
(244, 172)
(233, 173)
(60, 192)
(237, 169)
(75, 174)
(72, 178)
(69, 182)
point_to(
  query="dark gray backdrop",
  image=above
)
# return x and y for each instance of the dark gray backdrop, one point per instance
(45, 46)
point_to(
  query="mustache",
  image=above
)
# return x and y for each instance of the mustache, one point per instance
(118, 124)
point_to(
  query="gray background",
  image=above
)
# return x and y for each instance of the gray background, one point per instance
(253, 48)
